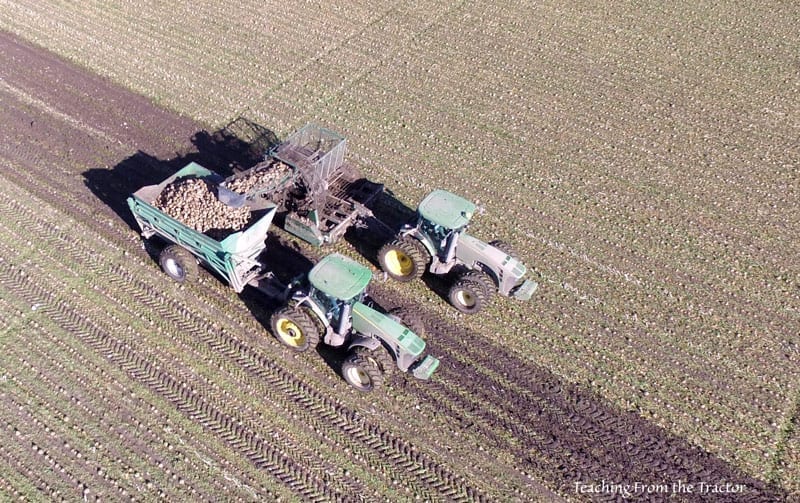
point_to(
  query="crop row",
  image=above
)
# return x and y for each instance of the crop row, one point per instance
(534, 133)
(60, 192)
(177, 321)
(64, 236)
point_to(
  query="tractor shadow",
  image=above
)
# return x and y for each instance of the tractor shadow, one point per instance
(389, 215)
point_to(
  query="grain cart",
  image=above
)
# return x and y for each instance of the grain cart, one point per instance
(330, 301)
(332, 305)
(235, 258)
(306, 174)
(437, 242)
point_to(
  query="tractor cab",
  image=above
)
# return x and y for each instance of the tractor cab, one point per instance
(336, 284)
(442, 217)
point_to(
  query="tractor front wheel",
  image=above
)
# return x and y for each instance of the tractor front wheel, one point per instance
(403, 259)
(472, 292)
(178, 263)
(295, 329)
(363, 369)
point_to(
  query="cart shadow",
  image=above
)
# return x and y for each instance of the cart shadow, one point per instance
(237, 146)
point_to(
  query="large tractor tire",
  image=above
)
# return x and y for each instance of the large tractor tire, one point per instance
(471, 292)
(178, 263)
(404, 259)
(505, 248)
(295, 329)
(411, 318)
(366, 369)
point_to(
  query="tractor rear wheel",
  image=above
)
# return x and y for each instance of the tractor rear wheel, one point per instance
(178, 263)
(471, 292)
(363, 369)
(505, 248)
(403, 259)
(410, 317)
(295, 329)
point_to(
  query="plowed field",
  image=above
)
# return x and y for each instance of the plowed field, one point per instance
(644, 162)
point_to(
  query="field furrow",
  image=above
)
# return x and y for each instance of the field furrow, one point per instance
(174, 319)
(642, 158)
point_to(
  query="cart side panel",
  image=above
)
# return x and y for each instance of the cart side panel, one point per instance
(154, 221)
(250, 240)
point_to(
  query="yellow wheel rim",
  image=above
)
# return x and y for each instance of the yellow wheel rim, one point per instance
(290, 333)
(398, 263)
(465, 298)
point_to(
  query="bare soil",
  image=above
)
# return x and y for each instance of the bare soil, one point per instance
(498, 426)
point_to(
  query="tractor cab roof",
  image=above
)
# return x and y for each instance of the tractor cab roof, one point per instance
(446, 209)
(339, 277)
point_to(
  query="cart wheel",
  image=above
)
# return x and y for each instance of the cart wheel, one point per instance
(178, 263)
(295, 329)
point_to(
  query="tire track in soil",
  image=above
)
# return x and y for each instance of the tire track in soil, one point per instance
(89, 99)
(567, 435)
(135, 428)
(551, 440)
(183, 398)
(29, 182)
(146, 299)
(63, 188)
(38, 429)
(322, 411)
(561, 430)
(67, 204)
(568, 411)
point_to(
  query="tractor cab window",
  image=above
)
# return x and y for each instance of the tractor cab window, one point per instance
(437, 234)
(332, 306)
(328, 304)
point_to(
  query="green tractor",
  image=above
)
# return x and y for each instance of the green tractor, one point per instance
(437, 242)
(332, 306)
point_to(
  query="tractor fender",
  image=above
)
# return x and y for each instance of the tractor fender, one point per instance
(506, 271)
(361, 341)
(401, 342)
(416, 234)
(302, 299)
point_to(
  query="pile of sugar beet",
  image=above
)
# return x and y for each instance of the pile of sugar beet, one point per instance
(194, 202)
(263, 176)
